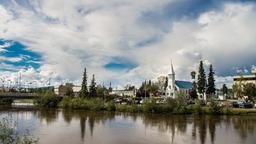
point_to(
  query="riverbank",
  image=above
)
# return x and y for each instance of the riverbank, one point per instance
(170, 106)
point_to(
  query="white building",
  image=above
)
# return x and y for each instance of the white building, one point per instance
(129, 93)
(174, 86)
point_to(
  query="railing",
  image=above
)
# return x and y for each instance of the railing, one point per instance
(18, 94)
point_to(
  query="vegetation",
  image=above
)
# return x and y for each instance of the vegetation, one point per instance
(201, 79)
(211, 82)
(6, 101)
(9, 134)
(92, 89)
(224, 89)
(84, 90)
(49, 100)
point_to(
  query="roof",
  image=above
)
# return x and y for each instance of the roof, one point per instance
(183, 84)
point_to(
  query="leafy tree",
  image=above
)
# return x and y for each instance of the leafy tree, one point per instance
(193, 75)
(92, 90)
(201, 80)
(249, 89)
(84, 90)
(102, 90)
(224, 89)
(211, 82)
(237, 90)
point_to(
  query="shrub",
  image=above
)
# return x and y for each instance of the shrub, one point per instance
(214, 107)
(6, 101)
(110, 106)
(49, 100)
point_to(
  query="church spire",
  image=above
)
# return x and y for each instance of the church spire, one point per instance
(171, 70)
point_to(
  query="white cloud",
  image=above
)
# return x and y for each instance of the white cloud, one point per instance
(73, 34)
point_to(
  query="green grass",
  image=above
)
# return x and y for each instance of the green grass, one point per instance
(24, 101)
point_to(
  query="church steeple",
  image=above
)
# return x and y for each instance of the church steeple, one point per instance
(170, 91)
(172, 69)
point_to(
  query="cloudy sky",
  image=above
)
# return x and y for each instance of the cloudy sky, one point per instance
(124, 41)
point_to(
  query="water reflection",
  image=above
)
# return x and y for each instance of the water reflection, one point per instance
(179, 129)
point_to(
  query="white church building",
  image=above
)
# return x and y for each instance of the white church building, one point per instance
(174, 86)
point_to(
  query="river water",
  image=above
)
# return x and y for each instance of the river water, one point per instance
(81, 127)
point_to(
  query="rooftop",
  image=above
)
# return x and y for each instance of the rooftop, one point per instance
(184, 84)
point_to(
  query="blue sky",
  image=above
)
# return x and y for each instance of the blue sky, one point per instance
(125, 42)
(16, 56)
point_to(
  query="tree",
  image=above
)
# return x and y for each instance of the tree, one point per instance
(201, 79)
(193, 92)
(166, 83)
(193, 75)
(92, 90)
(84, 90)
(249, 90)
(224, 89)
(211, 82)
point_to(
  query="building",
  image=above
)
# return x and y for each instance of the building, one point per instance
(175, 86)
(63, 90)
(243, 78)
(129, 93)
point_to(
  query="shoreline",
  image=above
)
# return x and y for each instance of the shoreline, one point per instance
(204, 111)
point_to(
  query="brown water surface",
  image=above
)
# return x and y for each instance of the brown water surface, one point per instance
(81, 127)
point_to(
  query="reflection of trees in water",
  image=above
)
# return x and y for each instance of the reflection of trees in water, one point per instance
(49, 115)
(244, 125)
(200, 125)
(87, 119)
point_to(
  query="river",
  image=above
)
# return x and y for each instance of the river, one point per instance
(54, 126)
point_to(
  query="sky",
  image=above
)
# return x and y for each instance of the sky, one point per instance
(124, 41)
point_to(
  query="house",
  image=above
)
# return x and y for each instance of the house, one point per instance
(176, 86)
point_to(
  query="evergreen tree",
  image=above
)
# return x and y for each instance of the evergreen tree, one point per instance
(193, 92)
(201, 79)
(166, 83)
(92, 90)
(224, 89)
(84, 90)
(211, 82)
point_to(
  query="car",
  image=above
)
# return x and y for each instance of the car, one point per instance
(235, 105)
(248, 105)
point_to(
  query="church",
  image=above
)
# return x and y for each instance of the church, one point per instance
(175, 86)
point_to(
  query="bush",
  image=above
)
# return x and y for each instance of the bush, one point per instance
(197, 109)
(214, 107)
(49, 100)
(6, 101)
(110, 106)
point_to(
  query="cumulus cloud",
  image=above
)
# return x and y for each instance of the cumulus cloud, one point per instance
(71, 35)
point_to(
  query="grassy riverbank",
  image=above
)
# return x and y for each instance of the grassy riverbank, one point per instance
(170, 106)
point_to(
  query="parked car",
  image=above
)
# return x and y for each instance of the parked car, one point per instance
(242, 104)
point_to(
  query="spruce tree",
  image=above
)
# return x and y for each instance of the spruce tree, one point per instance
(201, 79)
(84, 90)
(224, 89)
(92, 90)
(211, 82)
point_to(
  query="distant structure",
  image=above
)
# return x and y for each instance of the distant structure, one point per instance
(122, 93)
(244, 78)
(62, 90)
(174, 86)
